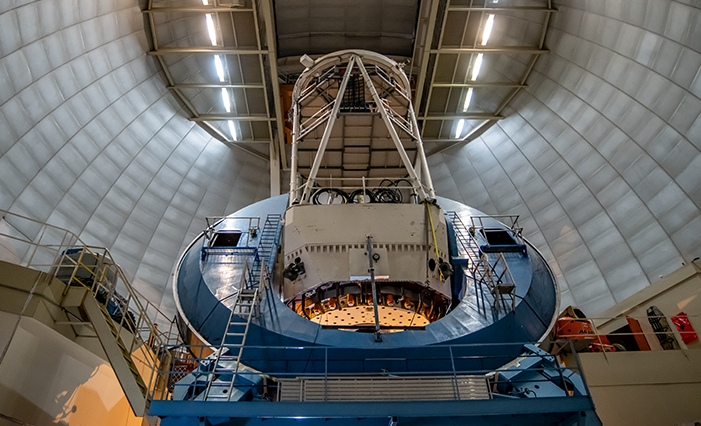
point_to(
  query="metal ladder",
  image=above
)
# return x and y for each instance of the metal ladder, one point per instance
(245, 308)
(267, 248)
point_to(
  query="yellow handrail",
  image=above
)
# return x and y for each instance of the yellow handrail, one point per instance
(58, 244)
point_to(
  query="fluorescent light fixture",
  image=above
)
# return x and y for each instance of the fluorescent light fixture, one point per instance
(487, 29)
(458, 128)
(220, 68)
(226, 99)
(205, 2)
(210, 29)
(476, 66)
(468, 98)
(232, 129)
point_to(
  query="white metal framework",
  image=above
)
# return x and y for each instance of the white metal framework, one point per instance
(371, 95)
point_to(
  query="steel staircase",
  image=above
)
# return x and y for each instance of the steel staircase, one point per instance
(85, 281)
(227, 365)
(117, 353)
(496, 278)
(468, 246)
(267, 248)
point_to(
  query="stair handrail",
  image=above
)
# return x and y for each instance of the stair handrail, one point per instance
(259, 260)
(469, 249)
(276, 239)
(492, 279)
(106, 274)
(213, 221)
(480, 266)
(478, 222)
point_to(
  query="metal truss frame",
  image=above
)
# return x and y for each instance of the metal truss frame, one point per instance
(264, 49)
(393, 83)
(431, 31)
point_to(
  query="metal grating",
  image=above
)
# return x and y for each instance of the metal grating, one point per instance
(345, 389)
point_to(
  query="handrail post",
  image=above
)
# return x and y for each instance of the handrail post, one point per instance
(455, 375)
(99, 274)
(562, 378)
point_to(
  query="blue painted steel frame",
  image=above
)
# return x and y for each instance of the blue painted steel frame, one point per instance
(432, 412)
(280, 329)
(280, 326)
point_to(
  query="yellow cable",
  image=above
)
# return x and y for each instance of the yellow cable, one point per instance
(433, 231)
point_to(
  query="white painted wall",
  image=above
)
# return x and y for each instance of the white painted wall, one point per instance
(47, 379)
(657, 387)
(654, 388)
(677, 292)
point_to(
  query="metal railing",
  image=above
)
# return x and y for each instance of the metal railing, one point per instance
(483, 222)
(635, 333)
(342, 190)
(248, 226)
(322, 364)
(63, 255)
(497, 278)
(443, 378)
(495, 275)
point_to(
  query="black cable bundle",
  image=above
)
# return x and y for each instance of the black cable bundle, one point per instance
(354, 197)
(387, 195)
(333, 193)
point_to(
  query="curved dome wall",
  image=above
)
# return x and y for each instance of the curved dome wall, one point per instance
(91, 140)
(600, 154)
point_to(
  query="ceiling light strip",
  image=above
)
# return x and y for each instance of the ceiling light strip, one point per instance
(226, 99)
(210, 29)
(458, 128)
(476, 67)
(219, 66)
(487, 29)
(468, 99)
(232, 130)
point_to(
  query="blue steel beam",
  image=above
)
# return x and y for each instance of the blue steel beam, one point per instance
(353, 410)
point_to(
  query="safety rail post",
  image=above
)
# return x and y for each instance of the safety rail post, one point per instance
(36, 247)
(455, 375)
(159, 372)
(63, 252)
(598, 339)
(578, 363)
(105, 274)
(562, 377)
(76, 266)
